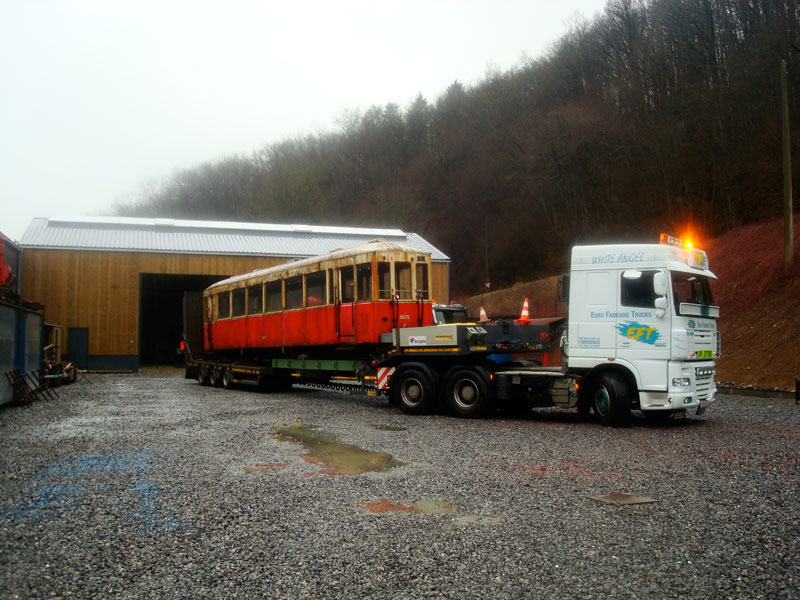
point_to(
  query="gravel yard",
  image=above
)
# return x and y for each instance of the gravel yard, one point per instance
(151, 486)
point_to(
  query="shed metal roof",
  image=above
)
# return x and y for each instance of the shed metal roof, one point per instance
(127, 234)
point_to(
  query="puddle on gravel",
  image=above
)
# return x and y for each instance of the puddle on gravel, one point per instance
(340, 458)
(385, 506)
(430, 507)
(388, 427)
(433, 507)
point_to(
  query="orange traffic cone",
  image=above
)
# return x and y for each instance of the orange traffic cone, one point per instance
(524, 318)
(484, 318)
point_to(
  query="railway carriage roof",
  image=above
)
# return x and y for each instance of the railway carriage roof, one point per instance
(126, 234)
(313, 260)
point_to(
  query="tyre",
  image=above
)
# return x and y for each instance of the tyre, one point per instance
(214, 377)
(413, 391)
(466, 393)
(227, 379)
(611, 400)
(202, 375)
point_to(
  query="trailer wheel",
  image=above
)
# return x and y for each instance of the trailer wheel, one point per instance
(202, 375)
(227, 379)
(413, 391)
(214, 377)
(466, 393)
(611, 400)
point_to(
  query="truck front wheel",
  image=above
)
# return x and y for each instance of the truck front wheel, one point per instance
(611, 400)
(413, 391)
(466, 393)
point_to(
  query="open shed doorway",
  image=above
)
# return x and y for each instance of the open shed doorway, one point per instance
(161, 314)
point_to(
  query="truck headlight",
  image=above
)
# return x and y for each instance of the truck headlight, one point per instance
(681, 382)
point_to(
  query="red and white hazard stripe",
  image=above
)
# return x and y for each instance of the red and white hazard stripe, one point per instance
(384, 374)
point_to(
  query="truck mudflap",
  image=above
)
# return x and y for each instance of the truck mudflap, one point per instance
(384, 375)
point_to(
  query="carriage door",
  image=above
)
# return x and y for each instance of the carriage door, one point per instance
(345, 303)
(208, 322)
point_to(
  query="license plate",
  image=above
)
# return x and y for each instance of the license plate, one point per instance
(705, 353)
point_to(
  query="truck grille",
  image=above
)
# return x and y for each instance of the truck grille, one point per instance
(704, 381)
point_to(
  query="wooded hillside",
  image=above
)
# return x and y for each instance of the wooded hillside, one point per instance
(658, 115)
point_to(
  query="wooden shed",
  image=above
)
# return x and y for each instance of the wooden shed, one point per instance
(116, 284)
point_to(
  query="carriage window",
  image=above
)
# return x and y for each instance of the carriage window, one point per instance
(238, 303)
(348, 291)
(384, 281)
(294, 292)
(273, 296)
(315, 289)
(364, 279)
(422, 281)
(254, 300)
(223, 305)
(402, 280)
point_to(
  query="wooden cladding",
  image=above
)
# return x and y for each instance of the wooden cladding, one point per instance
(100, 290)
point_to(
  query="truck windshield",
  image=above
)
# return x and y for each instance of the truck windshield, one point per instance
(449, 315)
(690, 289)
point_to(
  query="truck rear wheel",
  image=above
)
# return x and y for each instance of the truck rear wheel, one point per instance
(227, 379)
(413, 391)
(214, 377)
(611, 400)
(202, 375)
(466, 393)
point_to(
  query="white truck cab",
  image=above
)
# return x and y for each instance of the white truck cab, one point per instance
(642, 329)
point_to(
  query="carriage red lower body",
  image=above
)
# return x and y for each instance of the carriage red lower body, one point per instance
(359, 323)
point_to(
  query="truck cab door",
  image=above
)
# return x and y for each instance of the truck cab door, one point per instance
(592, 317)
(643, 329)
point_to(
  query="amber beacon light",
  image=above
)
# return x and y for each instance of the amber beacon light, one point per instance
(670, 240)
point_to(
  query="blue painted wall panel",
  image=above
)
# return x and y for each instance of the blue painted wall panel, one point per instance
(20, 344)
(7, 327)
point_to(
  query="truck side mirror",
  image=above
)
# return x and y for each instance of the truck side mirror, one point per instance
(660, 284)
(660, 304)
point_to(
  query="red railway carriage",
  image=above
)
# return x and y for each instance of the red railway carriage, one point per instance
(354, 296)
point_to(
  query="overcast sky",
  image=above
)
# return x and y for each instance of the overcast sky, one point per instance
(99, 98)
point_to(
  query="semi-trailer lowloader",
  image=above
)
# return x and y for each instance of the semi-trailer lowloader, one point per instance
(640, 335)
